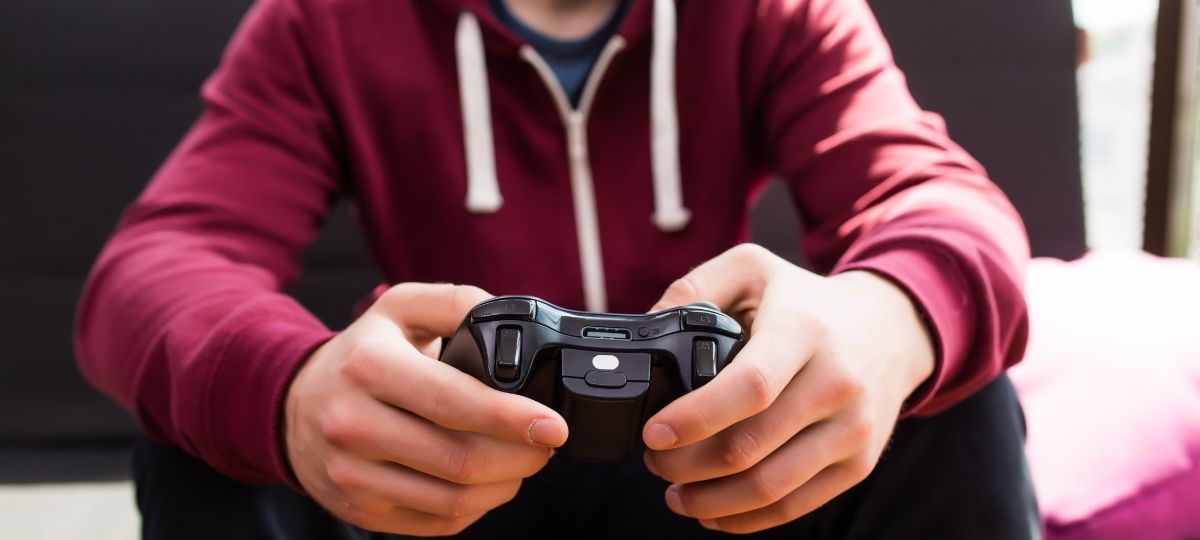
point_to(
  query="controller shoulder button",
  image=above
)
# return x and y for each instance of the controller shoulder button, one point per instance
(521, 309)
(703, 319)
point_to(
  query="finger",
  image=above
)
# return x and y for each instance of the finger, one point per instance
(375, 484)
(810, 397)
(392, 371)
(822, 488)
(748, 386)
(429, 310)
(376, 431)
(772, 479)
(726, 280)
(406, 521)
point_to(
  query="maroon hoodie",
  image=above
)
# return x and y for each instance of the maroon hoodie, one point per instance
(465, 164)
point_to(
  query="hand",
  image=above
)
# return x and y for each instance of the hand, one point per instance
(386, 437)
(805, 409)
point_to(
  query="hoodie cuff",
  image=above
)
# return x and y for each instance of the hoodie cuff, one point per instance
(247, 392)
(939, 292)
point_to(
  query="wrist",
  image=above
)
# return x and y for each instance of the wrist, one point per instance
(910, 329)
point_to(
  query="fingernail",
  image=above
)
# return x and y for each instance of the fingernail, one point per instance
(543, 432)
(649, 461)
(673, 500)
(661, 437)
(710, 524)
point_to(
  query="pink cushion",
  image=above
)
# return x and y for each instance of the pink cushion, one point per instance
(1111, 389)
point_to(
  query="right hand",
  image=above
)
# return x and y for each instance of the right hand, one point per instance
(386, 437)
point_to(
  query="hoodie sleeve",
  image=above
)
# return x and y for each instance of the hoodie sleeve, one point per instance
(881, 187)
(182, 320)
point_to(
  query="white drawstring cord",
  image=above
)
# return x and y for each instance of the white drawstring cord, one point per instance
(483, 189)
(669, 212)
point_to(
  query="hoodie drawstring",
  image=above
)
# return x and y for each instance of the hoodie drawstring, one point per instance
(483, 191)
(669, 213)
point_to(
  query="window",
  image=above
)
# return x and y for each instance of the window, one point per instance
(1114, 95)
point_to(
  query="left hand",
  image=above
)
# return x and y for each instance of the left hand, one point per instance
(807, 407)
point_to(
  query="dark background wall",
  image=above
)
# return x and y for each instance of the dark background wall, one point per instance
(93, 95)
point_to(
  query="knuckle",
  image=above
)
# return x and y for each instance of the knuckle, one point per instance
(809, 327)
(816, 328)
(781, 512)
(764, 486)
(513, 488)
(683, 289)
(370, 517)
(858, 428)
(361, 360)
(454, 526)
(746, 249)
(760, 386)
(341, 474)
(457, 501)
(355, 514)
(339, 426)
(859, 467)
(439, 393)
(847, 388)
(840, 386)
(793, 506)
(466, 462)
(751, 253)
(741, 450)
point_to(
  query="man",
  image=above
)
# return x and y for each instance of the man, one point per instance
(599, 154)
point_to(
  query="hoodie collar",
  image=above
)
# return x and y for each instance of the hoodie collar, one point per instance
(498, 39)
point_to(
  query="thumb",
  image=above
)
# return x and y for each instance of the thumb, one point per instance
(425, 311)
(726, 280)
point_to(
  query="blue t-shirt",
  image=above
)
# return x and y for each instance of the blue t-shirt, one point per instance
(570, 60)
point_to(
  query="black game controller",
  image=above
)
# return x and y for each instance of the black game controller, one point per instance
(605, 373)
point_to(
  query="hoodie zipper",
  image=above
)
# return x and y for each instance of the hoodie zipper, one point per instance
(583, 195)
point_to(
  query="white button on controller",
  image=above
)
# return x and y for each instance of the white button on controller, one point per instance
(605, 361)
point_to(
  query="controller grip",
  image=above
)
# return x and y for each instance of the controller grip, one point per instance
(600, 427)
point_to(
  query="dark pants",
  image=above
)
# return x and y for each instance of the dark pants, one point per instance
(959, 475)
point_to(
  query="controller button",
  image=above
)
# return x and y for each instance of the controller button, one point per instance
(576, 363)
(704, 358)
(505, 308)
(605, 379)
(508, 354)
(643, 331)
(605, 362)
(708, 320)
